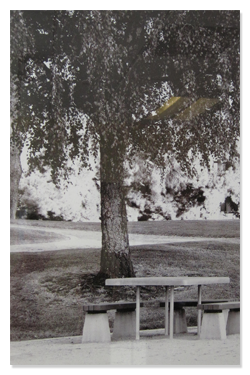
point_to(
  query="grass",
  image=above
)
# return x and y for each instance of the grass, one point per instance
(48, 289)
(200, 228)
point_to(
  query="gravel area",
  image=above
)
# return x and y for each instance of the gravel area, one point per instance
(183, 350)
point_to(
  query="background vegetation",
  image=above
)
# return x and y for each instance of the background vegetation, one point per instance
(150, 195)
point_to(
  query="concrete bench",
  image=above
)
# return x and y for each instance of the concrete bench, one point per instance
(96, 324)
(180, 321)
(219, 319)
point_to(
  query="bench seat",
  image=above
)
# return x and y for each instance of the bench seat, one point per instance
(218, 306)
(220, 319)
(104, 307)
(96, 324)
(192, 303)
(180, 321)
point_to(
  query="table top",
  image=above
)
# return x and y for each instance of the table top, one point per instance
(167, 281)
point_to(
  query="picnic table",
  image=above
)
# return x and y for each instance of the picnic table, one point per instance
(169, 283)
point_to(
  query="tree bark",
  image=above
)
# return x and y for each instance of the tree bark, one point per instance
(115, 254)
(15, 176)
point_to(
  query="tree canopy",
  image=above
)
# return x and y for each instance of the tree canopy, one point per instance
(121, 83)
(117, 68)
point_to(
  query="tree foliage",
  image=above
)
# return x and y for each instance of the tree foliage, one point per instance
(21, 45)
(116, 68)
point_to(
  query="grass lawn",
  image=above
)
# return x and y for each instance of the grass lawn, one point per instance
(200, 228)
(49, 288)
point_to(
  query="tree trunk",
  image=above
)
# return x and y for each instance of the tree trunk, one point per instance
(15, 176)
(115, 255)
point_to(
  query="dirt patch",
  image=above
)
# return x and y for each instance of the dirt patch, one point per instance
(20, 236)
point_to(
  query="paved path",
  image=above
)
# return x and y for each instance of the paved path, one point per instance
(185, 350)
(79, 239)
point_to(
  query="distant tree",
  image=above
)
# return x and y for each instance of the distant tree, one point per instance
(20, 47)
(118, 83)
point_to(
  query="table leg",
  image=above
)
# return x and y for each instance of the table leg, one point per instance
(137, 324)
(199, 312)
(171, 312)
(166, 310)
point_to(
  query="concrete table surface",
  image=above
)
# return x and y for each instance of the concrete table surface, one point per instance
(167, 281)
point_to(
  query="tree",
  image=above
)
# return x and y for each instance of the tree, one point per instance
(17, 49)
(21, 46)
(119, 83)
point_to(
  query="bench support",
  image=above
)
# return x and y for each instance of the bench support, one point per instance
(96, 328)
(124, 325)
(214, 325)
(180, 321)
(233, 322)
